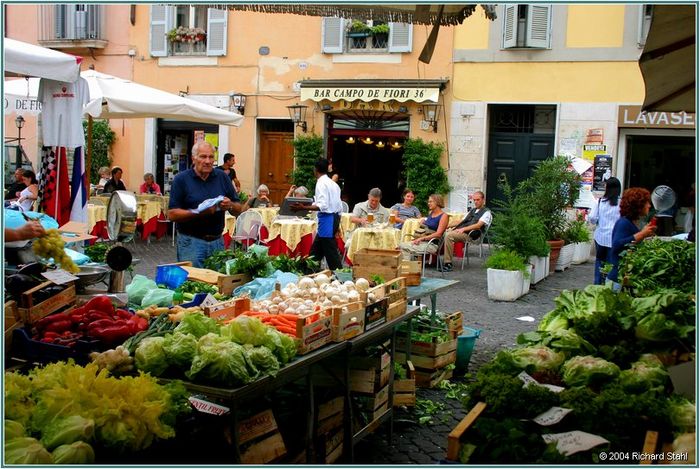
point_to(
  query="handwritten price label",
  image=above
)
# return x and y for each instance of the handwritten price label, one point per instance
(552, 416)
(569, 443)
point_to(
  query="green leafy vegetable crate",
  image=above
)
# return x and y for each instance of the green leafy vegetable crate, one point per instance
(453, 439)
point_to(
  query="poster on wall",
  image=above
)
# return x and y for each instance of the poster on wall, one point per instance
(585, 195)
(590, 151)
(602, 171)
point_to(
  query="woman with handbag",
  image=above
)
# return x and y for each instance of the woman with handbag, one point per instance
(604, 215)
(433, 226)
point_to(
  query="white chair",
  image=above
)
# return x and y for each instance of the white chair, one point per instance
(248, 226)
(346, 208)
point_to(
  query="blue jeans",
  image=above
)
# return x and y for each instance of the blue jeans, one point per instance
(601, 256)
(196, 250)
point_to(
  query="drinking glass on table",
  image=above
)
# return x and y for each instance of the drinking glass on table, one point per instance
(392, 217)
(370, 218)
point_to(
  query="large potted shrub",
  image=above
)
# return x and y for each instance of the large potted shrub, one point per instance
(513, 228)
(546, 194)
(423, 172)
(506, 275)
(307, 150)
(581, 237)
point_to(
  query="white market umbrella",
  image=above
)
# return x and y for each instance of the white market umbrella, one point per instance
(21, 58)
(116, 98)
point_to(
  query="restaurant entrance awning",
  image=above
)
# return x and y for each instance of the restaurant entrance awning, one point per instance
(418, 91)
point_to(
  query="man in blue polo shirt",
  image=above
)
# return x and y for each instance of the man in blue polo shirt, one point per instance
(200, 232)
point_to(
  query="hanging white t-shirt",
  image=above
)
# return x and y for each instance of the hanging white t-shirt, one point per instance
(62, 112)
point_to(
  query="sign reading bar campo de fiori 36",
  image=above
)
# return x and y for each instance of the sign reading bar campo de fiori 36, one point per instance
(400, 94)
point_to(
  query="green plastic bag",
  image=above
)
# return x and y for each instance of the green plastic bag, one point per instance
(138, 288)
(158, 297)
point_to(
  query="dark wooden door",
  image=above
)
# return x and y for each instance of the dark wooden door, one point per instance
(514, 156)
(276, 163)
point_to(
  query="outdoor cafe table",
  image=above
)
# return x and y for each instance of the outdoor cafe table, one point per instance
(292, 236)
(346, 224)
(147, 214)
(268, 214)
(97, 221)
(326, 357)
(373, 237)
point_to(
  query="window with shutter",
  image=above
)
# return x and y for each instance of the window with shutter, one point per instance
(158, 30)
(527, 26)
(332, 35)
(645, 12)
(216, 32)
(400, 37)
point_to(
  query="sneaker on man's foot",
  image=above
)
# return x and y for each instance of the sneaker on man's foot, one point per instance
(446, 268)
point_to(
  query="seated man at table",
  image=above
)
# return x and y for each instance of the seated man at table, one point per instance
(372, 207)
(149, 186)
(116, 183)
(468, 230)
(295, 191)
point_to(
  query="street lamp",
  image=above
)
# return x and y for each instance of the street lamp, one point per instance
(297, 113)
(239, 102)
(431, 114)
(19, 122)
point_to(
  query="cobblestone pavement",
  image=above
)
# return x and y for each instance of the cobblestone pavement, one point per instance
(415, 443)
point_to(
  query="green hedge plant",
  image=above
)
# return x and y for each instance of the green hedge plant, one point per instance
(423, 172)
(307, 150)
(506, 259)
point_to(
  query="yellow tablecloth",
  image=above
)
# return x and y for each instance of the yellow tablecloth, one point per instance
(410, 225)
(229, 224)
(291, 230)
(163, 200)
(373, 238)
(147, 209)
(95, 213)
(101, 198)
(268, 214)
(345, 223)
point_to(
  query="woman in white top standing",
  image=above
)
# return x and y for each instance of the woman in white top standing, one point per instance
(30, 193)
(604, 215)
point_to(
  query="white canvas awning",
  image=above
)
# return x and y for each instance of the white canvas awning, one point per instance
(116, 98)
(26, 59)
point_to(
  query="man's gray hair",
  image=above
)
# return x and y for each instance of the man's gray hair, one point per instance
(375, 192)
(301, 191)
(263, 188)
(198, 145)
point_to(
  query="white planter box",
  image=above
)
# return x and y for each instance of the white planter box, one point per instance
(540, 268)
(526, 281)
(582, 252)
(504, 285)
(565, 256)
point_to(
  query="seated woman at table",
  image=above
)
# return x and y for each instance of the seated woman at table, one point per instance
(405, 210)
(149, 186)
(434, 226)
(295, 191)
(29, 194)
(261, 200)
(105, 175)
(116, 183)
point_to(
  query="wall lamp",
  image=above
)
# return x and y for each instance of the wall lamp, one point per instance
(239, 102)
(297, 113)
(431, 114)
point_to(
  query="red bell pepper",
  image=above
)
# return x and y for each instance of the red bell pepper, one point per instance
(123, 314)
(95, 315)
(112, 334)
(60, 326)
(44, 322)
(100, 303)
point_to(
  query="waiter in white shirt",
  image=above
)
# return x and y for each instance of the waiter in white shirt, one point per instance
(327, 202)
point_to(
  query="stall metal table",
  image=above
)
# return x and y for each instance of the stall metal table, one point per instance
(429, 287)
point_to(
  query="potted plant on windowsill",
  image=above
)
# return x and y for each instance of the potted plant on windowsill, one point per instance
(380, 35)
(546, 194)
(507, 275)
(359, 29)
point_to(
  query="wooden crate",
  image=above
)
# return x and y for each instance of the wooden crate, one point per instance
(369, 374)
(405, 389)
(369, 403)
(377, 258)
(375, 314)
(348, 324)
(411, 271)
(455, 323)
(453, 439)
(333, 447)
(11, 314)
(330, 408)
(429, 363)
(30, 312)
(395, 290)
(260, 439)
(395, 310)
(426, 349)
(225, 283)
(228, 309)
(366, 272)
(431, 378)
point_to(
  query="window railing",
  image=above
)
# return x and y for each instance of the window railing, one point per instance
(366, 43)
(188, 48)
(72, 25)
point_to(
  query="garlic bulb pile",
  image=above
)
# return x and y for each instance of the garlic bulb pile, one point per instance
(313, 294)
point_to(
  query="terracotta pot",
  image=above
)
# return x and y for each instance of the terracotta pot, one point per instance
(555, 246)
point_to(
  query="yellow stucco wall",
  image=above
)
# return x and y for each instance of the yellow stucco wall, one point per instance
(595, 25)
(473, 33)
(549, 82)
